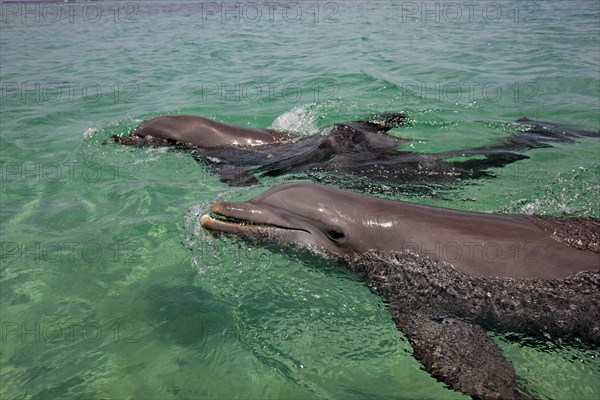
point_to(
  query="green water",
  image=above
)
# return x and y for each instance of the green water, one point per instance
(109, 287)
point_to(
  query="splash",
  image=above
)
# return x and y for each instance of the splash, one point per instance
(89, 133)
(300, 120)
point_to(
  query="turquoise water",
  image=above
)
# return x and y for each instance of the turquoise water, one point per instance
(109, 287)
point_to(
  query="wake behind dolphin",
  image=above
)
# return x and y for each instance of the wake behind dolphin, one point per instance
(447, 274)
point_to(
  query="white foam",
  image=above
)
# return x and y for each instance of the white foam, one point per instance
(300, 120)
(89, 132)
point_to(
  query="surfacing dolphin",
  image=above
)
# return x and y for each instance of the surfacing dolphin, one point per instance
(199, 131)
(445, 273)
(352, 149)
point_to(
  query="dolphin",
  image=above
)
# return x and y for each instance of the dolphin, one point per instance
(354, 149)
(193, 130)
(341, 222)
(446, 274)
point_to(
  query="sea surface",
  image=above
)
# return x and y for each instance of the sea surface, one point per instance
(109, 287)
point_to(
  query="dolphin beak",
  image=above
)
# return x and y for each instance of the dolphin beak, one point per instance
(230, 221)
(214, 224)
(243, 219)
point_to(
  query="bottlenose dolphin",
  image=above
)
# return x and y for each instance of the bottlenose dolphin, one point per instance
(193, 130)
(445, 273)
(342, 222)
(355, 149)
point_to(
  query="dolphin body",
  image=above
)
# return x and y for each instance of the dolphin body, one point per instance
(446, 274)
(355, 149)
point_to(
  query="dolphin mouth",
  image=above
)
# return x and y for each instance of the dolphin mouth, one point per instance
(224, 223)
(240, 218)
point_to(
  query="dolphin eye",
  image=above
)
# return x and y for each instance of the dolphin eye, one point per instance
(335, 235)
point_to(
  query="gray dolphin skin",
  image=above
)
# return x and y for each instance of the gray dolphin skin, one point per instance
(446, 274)
(199, 131)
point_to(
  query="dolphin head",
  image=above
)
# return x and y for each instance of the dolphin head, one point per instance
(340, 223)
(317, 217)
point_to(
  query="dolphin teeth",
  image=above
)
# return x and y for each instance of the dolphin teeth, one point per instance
(262, 226)
(232, 220)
